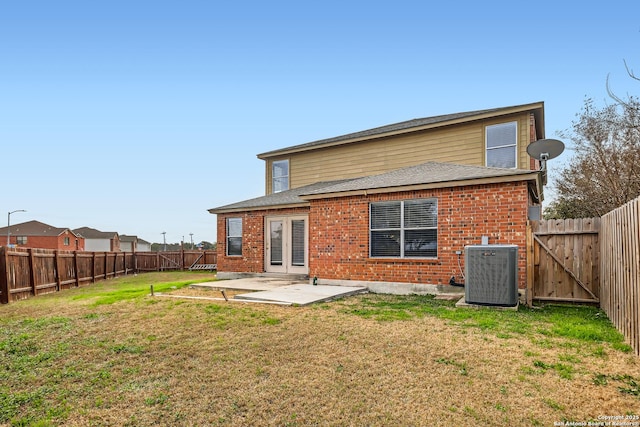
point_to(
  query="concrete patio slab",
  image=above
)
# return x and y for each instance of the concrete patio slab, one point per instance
(303, 293)
(284, 290)
(463, 303)
(248, 284)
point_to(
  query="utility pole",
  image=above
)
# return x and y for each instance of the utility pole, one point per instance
(164, 239)
(191, 234)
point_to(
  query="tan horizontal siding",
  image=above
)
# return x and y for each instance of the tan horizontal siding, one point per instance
(462, 144)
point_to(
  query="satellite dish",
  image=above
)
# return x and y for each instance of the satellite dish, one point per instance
(543, 150)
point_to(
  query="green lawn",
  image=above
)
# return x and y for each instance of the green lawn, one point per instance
(111, 354)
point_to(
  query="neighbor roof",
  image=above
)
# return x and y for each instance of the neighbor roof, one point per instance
(412, 126)
(423, 176)
(34, 228)
(92, 233)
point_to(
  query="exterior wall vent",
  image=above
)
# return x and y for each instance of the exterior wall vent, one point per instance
(491, 275)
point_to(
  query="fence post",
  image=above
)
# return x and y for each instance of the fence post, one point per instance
(56, 263)
(75, 268)
(93, 267)
(32, 273)
(4, 280)
(530, 265)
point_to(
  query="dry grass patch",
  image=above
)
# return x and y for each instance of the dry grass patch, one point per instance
(205, 293)
(365, 360)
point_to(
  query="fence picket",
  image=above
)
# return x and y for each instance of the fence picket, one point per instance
(620, 266)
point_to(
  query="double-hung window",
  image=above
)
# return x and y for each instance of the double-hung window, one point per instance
(21, 240)
(234, 236)
(404, 229)
(280, 176)
(501, 145)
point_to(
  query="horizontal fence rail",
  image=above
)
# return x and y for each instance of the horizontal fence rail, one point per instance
(27, 272)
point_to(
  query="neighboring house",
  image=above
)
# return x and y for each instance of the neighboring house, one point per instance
(393, 206)
(99, 241)
(35, 234)
(128, 243)
(143, 245)
(133, 244)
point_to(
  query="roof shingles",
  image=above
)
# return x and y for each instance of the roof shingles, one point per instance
(34, 228)
(283, 198)
(423, 174)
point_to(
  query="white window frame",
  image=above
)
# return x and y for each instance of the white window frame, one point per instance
(234, 236)
(403, 229)
(494, 148)
(279, 182)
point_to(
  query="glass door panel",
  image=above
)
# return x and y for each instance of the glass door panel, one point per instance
(298, 240)
(276, 236)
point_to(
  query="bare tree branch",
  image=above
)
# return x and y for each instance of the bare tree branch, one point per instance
(610, 91)
(630, 71)
(604, 172)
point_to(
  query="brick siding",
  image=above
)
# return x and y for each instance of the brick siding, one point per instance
(50, 242)
(339, 234)
(253, 256)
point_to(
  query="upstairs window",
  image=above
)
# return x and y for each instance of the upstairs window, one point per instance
(234, 236)
(280, 176)
(66, 241)
(502, 144)
(21, 240)
(404, 229)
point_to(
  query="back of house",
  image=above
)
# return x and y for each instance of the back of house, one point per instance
(393, 205)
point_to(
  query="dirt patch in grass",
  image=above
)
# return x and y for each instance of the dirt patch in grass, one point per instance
(154, 361)
(205, 293)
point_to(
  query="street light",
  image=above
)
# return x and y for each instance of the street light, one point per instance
(191, 234)
(164, 238)
(9, 224)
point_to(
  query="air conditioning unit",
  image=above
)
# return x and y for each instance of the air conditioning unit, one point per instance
(491, 275)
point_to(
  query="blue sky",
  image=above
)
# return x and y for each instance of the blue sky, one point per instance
(138, 116)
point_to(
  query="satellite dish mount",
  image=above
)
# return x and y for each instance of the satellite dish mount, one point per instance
(543, 150)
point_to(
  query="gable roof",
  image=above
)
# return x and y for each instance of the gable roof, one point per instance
(414, 126)
(420, 177)
(34, 228)
(92, 233)
(127, 238)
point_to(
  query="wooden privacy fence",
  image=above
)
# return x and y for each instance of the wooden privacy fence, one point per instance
(175, 260)
(592, 260)
(31, 272)
(563, 262)
(620, 267)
